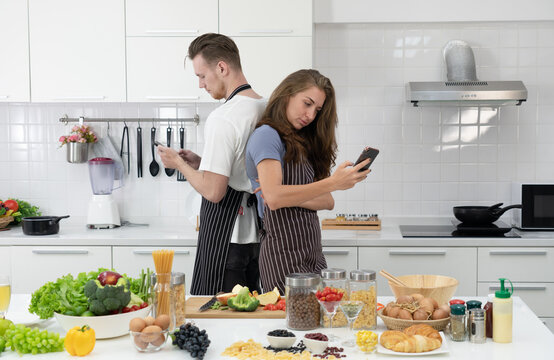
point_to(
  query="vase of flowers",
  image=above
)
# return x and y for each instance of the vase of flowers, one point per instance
(77, 143)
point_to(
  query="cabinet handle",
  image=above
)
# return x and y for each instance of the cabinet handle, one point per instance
(190, 31)
(520, 287)
(149, 252)
(517, 252)
(80, 98)
(172, 97)
(336, 252)
(417, 252)
(59, 251)
(266, 31)
(4, 97)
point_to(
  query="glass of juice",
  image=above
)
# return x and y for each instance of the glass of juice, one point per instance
(5, 294)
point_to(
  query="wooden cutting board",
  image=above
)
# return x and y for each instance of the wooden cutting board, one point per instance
(193, 304)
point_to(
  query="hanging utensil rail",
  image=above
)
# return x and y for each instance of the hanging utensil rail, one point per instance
(66, 119)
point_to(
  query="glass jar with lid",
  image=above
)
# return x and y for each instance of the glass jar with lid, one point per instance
(162, 302)
(336, 280)
(302, 312)
(363, 288)
(178, 297)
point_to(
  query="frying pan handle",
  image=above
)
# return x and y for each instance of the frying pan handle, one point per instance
(499, 212)
(57, 219)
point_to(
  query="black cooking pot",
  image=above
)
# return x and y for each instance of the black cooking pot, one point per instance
(481, 215)
(42, 225)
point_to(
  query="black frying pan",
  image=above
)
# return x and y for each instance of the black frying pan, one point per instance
(481, 215)
(41, 225)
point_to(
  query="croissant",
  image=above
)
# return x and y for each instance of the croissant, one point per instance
(423, 330)
(400, 342)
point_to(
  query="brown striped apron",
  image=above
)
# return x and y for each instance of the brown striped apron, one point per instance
(291, 238)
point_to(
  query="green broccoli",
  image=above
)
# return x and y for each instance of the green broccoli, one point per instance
(105, 299)
(243, 301)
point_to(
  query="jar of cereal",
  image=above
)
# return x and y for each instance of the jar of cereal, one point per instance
(336, 280)
(363, 288)
(302, 310)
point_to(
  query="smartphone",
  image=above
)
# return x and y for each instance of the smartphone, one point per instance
(156, 142)
(370, 153)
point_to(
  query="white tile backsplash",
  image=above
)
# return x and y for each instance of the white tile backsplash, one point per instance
(431, 158)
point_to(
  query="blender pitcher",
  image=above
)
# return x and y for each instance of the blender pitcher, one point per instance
(103, 172)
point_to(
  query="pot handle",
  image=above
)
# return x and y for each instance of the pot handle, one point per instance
(56, 219)
(499, 212)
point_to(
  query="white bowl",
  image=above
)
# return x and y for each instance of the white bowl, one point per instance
(315, 346)
(281, 342)
(107, 326)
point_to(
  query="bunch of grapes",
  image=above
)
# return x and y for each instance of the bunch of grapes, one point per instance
(190, 338)
(25, 340)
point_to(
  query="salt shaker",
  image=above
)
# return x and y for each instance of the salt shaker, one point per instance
(476, 326)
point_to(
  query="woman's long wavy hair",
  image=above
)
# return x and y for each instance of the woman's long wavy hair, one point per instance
(315, 142)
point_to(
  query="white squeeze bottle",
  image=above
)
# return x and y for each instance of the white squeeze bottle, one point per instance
(502, 310)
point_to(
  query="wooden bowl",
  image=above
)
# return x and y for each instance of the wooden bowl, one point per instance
(439, 287)
(4, 221)
(400, 324)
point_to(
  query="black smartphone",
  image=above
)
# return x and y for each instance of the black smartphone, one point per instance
(370, 153)
(156, 142)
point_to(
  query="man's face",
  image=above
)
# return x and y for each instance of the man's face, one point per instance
(209, 77)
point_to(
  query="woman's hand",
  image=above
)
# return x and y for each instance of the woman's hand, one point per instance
(170, 158)
(346, 175)
(190, 158)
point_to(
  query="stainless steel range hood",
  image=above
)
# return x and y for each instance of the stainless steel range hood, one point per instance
(462, 87)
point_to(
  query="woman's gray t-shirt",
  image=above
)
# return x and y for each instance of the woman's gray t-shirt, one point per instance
(264, 143)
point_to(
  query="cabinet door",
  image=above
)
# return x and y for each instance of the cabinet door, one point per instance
(33, 266)
(538, 296)
(156, 71)
(170, 17)
(549, 322)
(5, 262)
(265, 18)
(14, 42)
(459, 263)
(516, 264)
(267, 61)
(131, 259)
(78, 50)
(341, 258)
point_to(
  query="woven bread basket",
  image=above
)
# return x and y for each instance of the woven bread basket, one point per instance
(401, 324)
(4, 221)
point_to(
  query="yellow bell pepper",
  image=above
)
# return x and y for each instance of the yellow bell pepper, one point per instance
(80, 340)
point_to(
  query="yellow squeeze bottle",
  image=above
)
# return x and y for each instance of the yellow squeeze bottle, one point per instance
(502, 310)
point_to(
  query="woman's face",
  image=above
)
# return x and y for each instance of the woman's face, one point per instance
(304, 106)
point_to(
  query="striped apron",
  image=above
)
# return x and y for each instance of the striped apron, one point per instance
(291, 237)
(217, 221)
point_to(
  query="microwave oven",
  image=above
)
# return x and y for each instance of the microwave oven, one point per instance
(537, 206)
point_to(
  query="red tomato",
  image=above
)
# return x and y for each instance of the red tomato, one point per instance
(12, 205)
(113, 312)
(331, 297)
(143, 305)
(135, 308)
(317, 293)
(323, 298)
(270, 307)
(125, 310)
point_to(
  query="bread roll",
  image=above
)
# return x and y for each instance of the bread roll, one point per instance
(413, 340)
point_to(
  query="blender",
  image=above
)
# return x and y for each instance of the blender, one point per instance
(102, 209)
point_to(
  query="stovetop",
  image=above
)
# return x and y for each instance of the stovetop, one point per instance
(457, 229)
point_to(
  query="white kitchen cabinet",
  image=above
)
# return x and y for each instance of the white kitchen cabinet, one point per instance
(131, 259)
(33, 266)
(5, 262)
(549, 322)
(14, 42)
(459, 263)
(516, 264)
(538, 296)
(265, 18)
(267, 61)
(156, 71)
(77, 50)
(341, 258)
(171, 17)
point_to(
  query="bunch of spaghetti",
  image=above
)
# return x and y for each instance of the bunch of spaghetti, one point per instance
(163, 261)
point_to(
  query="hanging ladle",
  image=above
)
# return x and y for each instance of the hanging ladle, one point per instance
(154, 167)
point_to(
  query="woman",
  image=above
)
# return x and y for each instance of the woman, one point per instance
(289, 158)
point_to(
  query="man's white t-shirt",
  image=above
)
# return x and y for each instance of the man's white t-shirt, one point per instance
(225, 136)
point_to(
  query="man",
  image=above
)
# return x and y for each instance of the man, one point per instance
(228, 245)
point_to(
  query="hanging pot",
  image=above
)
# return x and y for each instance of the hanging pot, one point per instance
(41, 225)
(77, 152)
(481, 215)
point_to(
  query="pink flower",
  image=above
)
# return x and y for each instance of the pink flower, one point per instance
(73, 138)
(75, 128)
(62, 139)
(81, 134)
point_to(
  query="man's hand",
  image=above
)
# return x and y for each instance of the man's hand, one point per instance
(170, 158)
(190, 158)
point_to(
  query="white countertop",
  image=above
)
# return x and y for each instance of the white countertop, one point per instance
(389, 235)
(531, 339)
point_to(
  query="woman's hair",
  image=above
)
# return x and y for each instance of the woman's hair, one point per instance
(315, 142)
(214, 48)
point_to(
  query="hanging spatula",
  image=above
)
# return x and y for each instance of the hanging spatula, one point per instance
(169, 172)
(180, 176)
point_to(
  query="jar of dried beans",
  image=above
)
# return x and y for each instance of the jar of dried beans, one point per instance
(302, 307)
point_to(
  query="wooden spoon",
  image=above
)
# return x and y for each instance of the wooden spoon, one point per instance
(392, 278)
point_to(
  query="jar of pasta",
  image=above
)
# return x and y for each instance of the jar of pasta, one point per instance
(363, 288)
(302, 310)
(178, 297)
(162, 302)
(336, 280)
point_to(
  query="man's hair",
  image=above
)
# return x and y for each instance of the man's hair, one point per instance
(215, 48)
